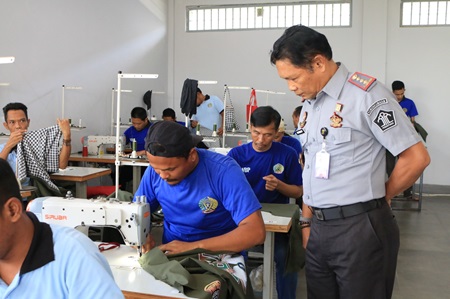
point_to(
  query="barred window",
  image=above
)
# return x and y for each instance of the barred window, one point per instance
(425, 13)
(265, 16)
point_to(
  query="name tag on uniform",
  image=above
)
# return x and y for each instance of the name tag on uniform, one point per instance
(322, 166)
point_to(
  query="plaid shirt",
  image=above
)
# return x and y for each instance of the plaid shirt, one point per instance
(38, 154)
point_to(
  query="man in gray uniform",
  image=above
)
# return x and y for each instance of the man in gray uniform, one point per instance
(347, 122)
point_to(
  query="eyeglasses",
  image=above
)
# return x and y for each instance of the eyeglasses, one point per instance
(155, 148)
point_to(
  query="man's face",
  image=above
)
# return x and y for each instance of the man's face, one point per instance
(304, 82)
(262, 137)
(200, 98)
(169, 118)
(138, 123)
(295, 120)
(173, 170)
(399, 94)
(16, 120)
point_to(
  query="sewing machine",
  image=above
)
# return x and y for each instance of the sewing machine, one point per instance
(132, 219)
(97, 144)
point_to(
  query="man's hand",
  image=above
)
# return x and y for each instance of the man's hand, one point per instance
(15, 138)
(175, 247)
(271, 182)
(220, 131)
(64, 126)
(149, 244)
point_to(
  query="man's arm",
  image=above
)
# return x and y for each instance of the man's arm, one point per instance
(250, 232)
(272, 183)
(13, 140)
(64, 155)
(306, 230)
(220, 130)
(410, 165)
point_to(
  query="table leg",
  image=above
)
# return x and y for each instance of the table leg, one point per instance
(268, 265)
(81, 189)
(136, 177)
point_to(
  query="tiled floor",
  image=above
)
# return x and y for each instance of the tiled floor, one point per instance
(423, 268)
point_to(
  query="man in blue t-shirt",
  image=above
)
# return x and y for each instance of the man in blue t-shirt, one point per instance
(209, 112)
(207, 202)
(398, 88)
(38, 260)
(136, 132)
(273, 171)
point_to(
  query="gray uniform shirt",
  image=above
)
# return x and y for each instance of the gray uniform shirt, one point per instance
(370, 121)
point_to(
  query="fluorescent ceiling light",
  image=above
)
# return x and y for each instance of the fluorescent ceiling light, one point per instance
(9, 59)
(207, 82)
(4, 84)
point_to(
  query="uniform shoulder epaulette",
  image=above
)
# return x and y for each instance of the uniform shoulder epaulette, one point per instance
(361, 80)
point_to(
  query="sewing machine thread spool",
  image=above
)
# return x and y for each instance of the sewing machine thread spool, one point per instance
(198, 130)
(85, 151)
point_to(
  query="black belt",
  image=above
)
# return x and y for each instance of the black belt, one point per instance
(342, 212)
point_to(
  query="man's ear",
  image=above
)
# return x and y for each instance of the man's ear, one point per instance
(13, 209)
(5, 124)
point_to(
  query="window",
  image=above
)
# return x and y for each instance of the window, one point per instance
(264, 16)
(425, 13)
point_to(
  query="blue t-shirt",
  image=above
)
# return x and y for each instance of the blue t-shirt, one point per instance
(409, 107)
(78, 269)
(208, 113)
(11, 159)
(211, 201)
(292, 142)
(280, 160)
(131, 132)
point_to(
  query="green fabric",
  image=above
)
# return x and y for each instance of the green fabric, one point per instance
(43, 189)
(295, 260)
(422, 132)
(187, 272)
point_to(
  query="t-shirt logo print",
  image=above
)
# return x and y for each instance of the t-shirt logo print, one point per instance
(208, 205)
(385, 120)
(278, 168)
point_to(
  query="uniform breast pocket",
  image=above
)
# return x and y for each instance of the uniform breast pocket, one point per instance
(342, 150)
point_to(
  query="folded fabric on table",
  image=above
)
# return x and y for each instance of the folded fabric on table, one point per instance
(200, 274)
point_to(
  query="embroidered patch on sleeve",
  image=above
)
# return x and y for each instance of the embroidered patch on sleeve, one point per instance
(385, 120)
(376, 105)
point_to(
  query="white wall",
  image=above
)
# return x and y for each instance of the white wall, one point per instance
(82, 43)
(375, 44)
(85, 43)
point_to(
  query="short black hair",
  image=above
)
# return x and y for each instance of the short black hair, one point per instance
(169, 112)
(14, 106)
(298, 110)
(397, 85)
(8, 184)
(300, 44)
(265, 115)
(139, 112)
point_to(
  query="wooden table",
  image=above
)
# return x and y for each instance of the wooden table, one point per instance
(111, 159)
(135, 282)
(80, 175)
(274, 224)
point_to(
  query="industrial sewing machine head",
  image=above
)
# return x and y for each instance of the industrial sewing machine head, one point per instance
(97, 144)
(132, 219)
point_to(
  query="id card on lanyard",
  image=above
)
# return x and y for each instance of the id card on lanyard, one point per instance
(322, 166)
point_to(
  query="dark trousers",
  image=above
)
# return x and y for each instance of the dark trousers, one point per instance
(353, 258)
